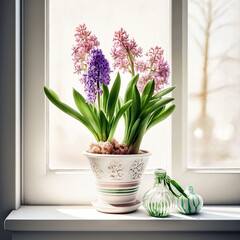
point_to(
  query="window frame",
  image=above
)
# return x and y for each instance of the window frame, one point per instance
(205, 180)
(37, 178)
(37, 192)
(10, 108)
(166, 125)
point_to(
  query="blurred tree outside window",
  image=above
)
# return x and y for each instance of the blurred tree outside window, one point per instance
(214, 83)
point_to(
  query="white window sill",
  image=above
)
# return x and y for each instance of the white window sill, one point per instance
(85, 218)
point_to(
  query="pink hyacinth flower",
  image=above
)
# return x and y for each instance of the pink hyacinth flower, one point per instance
(84, 43)
(124, 51)
(157, 69)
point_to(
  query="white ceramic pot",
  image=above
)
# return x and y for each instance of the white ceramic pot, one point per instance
(117, 180)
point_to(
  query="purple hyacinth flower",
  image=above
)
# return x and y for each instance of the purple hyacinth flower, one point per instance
(98, 73)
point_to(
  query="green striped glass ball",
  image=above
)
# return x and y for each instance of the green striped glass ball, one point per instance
(192, 205)
(159, 201)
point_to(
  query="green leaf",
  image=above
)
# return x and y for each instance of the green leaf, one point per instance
(129, 95)
(136, 105)
(105, 96)
(53, 97)
(177, 186)
(95, 111)
(140, 133)
(129, 89)
(149, 105)
(104, 124)
(117, 118)
(163, 92)
(118, 105)
(170, 188)
(51, 94)
(133, 132)
(113, 96)
(158, 112)
(162, 116)
(157, 106)
(148, 92)
(86, 110)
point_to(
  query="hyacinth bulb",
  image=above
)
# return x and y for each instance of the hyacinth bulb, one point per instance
(159, 201)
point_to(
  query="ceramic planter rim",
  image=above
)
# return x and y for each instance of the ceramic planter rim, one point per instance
(97, 155)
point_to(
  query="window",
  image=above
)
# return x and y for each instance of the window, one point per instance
(209, 181)
(52, 173)
(213, 83)
(67, 138)
(58, 139)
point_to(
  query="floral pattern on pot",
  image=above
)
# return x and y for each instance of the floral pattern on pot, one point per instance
(137, 169)
(96, 170)
(117, 189)
(115, 170)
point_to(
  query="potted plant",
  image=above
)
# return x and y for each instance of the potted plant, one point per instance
(117, 166)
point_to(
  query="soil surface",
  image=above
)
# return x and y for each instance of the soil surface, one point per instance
(112, 147)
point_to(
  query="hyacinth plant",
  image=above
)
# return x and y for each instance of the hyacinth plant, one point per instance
(146, 92)
(97, 110)
(143, 105)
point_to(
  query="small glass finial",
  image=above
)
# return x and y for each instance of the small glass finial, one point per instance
(160, 173)
(190, 189)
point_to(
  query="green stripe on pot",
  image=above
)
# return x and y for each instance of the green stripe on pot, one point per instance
(118, 191)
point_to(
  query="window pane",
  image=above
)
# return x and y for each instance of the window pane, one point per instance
(146, 21)
(214, 83)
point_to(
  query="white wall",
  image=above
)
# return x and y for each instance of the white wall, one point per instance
(7, 111)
